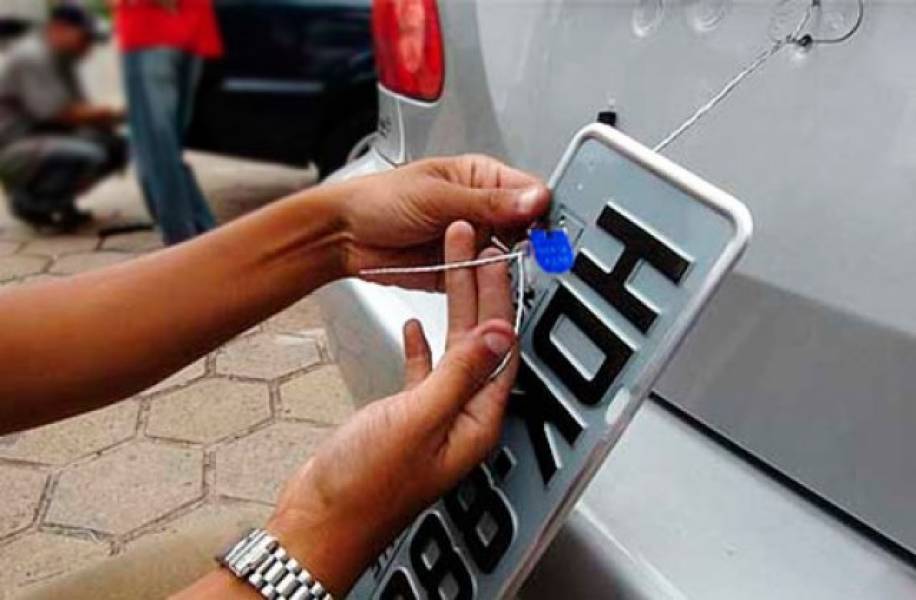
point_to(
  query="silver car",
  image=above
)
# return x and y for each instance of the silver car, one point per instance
(777, 456)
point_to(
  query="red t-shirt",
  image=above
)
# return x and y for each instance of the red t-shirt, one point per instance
(191, 26)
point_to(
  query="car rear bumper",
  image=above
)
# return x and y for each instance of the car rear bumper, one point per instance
(672, 514)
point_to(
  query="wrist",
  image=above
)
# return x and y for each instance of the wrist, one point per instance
(320, 235)
(333, 554)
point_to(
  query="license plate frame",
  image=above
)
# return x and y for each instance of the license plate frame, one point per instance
(595, 341)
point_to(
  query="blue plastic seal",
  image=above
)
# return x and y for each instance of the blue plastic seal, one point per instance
(552, 250)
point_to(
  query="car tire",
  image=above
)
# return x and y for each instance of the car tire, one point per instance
(336, 147)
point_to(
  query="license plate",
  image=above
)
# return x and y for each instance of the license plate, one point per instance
(652, 243)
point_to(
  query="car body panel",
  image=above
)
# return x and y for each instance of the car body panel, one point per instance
(670, 515)
(823, 245)
(803, 360)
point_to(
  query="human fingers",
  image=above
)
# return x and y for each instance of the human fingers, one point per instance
(494, 296)
(465, 369)
(417, 356)
(460, 284)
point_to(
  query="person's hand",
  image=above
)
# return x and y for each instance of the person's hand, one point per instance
(398, 455)
(111, 115)
(398, 218)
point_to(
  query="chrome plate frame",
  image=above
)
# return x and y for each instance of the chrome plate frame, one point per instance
(653, 241)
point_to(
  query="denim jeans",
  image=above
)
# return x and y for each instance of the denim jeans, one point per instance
(161, 84)
(46, 170)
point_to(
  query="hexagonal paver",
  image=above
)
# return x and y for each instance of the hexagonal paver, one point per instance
(221, 523)
(17, 265)
(72, 264)
(40, 556)
(127, 488)
(302, 316)
(195, 370)
(267, 355)
(63, 442)
(320, 395)
(21, 494)
(40, 278)
(139, 241)
(256, 466)
(8, 247)
(209, 410)
(61, 244)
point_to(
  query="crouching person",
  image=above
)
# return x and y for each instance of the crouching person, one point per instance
(54, 144)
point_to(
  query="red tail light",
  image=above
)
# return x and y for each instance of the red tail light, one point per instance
(408, 47)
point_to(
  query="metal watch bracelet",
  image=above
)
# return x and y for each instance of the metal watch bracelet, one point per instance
(259, 559)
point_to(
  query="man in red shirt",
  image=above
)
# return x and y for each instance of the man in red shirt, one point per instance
(164, 44)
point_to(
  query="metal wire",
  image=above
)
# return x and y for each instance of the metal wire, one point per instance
(760, 60)
(464, 264)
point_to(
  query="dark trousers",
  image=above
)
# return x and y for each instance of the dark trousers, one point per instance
(43, 173)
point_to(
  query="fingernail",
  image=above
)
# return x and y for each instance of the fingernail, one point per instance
(529, 198)
(498, 343)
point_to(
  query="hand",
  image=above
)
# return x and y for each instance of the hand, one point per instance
(398, 218)
(398, 455)
(112, 116)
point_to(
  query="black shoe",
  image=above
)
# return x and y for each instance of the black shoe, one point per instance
(63, 220)
(69, 218)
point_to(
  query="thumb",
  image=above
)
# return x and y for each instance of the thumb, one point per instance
(465, 369)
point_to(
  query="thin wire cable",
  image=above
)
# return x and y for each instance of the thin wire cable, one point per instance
(760, 60)
(464, 264)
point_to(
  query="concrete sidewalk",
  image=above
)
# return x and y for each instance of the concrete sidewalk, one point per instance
(220, 436)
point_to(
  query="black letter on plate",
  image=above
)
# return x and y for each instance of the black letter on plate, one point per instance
(538, 407)
(398, 588)
(638, 245)
(471, 506)
(616, 351)
(447, 562)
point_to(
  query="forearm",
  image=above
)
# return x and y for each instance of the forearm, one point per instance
(85, 114)
(80, 343)
(218, 585)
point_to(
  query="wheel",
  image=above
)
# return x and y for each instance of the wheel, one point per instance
(348, 140)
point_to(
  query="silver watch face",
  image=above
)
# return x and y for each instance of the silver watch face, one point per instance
(652, 242)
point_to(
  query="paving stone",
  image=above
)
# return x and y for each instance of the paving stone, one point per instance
(195, 370)
(302, 316)
(224, 522)
(17, 265)
(65, 441)
(8, 247)
(127, 488)
(319, 395)
(30, 279)
(22, 489)
(72, 264)
(267, 355)
(138, 241)
(209, 410)
(256, 466)
(41, 556)
(40, 278)
(59, 245)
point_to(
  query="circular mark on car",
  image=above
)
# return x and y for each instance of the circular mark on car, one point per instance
(705, 15)
(647, 16)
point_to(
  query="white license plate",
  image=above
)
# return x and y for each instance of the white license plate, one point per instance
(652, 243)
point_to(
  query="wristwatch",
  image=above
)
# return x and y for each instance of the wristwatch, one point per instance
(259, 559)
